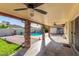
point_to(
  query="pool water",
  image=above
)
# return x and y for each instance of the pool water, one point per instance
(36, 34)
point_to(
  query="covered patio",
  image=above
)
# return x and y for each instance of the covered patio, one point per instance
(49, 15)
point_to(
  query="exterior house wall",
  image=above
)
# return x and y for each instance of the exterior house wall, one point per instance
(77, 34)
(71, 31)
(53, 30)
(73, 36)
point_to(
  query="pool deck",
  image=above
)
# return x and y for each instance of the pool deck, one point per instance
(19, 39)
(47, 47)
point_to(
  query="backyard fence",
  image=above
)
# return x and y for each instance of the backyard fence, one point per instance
(11, 31)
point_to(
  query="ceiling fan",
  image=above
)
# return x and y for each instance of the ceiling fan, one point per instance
(32, 6)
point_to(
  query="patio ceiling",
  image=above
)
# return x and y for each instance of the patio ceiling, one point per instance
(59, 13)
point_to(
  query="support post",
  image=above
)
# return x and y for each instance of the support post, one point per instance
(43, 33)
(49, 31)
(27, 34)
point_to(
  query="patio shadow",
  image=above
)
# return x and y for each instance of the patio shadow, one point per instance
(21, 52)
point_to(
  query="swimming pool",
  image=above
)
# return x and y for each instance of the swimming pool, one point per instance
(21, 32)
(36, 34)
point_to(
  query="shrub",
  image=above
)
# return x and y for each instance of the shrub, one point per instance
(4, 26)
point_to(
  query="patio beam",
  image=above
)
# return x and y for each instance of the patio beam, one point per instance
(27, 34)
(12, 16)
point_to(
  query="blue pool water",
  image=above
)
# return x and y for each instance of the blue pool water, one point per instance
(36, 34)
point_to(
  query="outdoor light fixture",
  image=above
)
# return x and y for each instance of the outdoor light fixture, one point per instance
(55, 24)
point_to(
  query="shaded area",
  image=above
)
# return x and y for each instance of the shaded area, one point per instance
(21, 52)
(58, 49)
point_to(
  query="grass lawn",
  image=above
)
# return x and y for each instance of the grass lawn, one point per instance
(7, 48)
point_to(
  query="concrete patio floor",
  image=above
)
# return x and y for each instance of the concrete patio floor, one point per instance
(47, 47)
(19, 39)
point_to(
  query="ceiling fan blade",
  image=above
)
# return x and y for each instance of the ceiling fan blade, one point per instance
(41, 11)
(20, 9)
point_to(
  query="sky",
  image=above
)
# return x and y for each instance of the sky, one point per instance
(12, 21)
